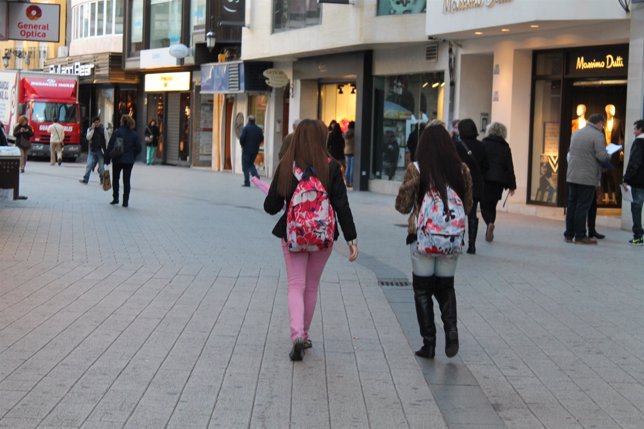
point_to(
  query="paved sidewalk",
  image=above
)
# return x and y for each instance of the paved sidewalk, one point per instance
(172, 313)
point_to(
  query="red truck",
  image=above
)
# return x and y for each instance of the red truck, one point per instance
(41, 97)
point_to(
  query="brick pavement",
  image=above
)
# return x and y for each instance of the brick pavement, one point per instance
(172, 313)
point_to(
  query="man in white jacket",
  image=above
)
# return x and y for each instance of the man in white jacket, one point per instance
(56, 140)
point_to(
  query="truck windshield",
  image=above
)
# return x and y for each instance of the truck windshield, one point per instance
(46, 112)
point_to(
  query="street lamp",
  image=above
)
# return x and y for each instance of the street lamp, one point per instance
(18, 53)
(211, 39)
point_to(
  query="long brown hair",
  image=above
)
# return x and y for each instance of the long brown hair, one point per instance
(307, 149)
(439, 164)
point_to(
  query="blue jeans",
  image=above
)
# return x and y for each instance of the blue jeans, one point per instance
(348, 172)
(580, 197)
(248, 166)
(636, 211)
(94, 158)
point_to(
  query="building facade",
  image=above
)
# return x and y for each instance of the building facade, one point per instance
(542, 68)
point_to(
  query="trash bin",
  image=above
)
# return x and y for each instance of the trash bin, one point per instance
(9, 171)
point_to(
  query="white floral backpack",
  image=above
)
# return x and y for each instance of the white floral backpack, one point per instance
(440, 230)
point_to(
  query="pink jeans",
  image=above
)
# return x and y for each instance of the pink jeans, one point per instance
(304, 270)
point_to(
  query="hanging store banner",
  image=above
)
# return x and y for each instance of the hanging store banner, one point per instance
(35, 22)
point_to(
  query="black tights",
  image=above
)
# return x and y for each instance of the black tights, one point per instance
(116, 175)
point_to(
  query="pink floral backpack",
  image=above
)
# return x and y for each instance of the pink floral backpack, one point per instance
(310, 220)
(440, 231)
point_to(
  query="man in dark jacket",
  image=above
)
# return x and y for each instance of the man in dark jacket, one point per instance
(634, 177)
(128, 140)
(472, 152)
(250, 139)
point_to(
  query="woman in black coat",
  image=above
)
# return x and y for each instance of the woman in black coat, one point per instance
(472, 152)
(335, 144)
(499, 175)
(126, 137)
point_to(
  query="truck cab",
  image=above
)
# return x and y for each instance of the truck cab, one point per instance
(41, 114)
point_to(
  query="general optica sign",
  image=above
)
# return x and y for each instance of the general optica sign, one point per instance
(34, 21)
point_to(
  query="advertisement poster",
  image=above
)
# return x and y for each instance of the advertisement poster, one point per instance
(34, 21)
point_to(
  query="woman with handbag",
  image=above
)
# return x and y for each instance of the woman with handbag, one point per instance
(152, 134)
(438, 171)
(307, 162)
(23, 133)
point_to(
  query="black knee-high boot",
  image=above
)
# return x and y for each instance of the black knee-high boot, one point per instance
(424, 287)
(446, 297)
(472, 229)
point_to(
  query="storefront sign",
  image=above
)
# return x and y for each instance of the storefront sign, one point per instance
(597, 61)
(454, 6)
(78, 69)
(162, 82)
(34, 21)
(276, 78)
(156, 58)
(608, 62)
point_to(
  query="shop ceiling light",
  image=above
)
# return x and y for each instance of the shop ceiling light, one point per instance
(425, 84)
(442, 84)
(340, 89)
(435, 84)
(505, 30)
(478, 33)
(534, 26)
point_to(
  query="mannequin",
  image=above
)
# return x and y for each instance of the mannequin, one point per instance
(580, 122)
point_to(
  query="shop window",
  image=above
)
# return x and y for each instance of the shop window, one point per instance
(197, 16)
(257, 107)
(546, 120)
(165, 23)
(291, 14)
(97, 19)
(338, 102)
(393, 7)
(401, 104)
(136, 28)
(202, 151)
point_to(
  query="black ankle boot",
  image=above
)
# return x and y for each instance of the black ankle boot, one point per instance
(423, 290)
(115, 201)
(472, 230)
(446, 297)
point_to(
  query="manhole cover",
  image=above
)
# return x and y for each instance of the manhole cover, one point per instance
(393, 282)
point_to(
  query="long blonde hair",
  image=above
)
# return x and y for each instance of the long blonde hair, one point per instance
(307, 149)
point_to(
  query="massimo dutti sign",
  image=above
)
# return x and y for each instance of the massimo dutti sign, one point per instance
(598, 61)
(453, 6)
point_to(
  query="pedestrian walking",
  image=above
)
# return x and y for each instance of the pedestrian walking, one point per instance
(310, 185)
(634, 177)
(97, 139)
(151, 138)
(335, 143)
(499, 174)
(586, 154)
(56, 141)
(250, 139)
(122, 150)
(23, 133)
(472, 152)
(437, 176)
(349, 142)
(390, 154)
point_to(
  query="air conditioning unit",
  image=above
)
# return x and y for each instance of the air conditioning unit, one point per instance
(63, 51)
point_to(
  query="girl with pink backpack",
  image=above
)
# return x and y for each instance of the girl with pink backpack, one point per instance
(309, 184)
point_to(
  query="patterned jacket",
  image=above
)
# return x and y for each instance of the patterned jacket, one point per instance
(407, 199)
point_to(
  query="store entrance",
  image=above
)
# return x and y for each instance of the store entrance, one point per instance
(607, 97)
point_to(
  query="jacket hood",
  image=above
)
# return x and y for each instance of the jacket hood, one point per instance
(467, 128)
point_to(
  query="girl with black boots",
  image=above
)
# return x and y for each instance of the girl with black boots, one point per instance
(438, 167)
